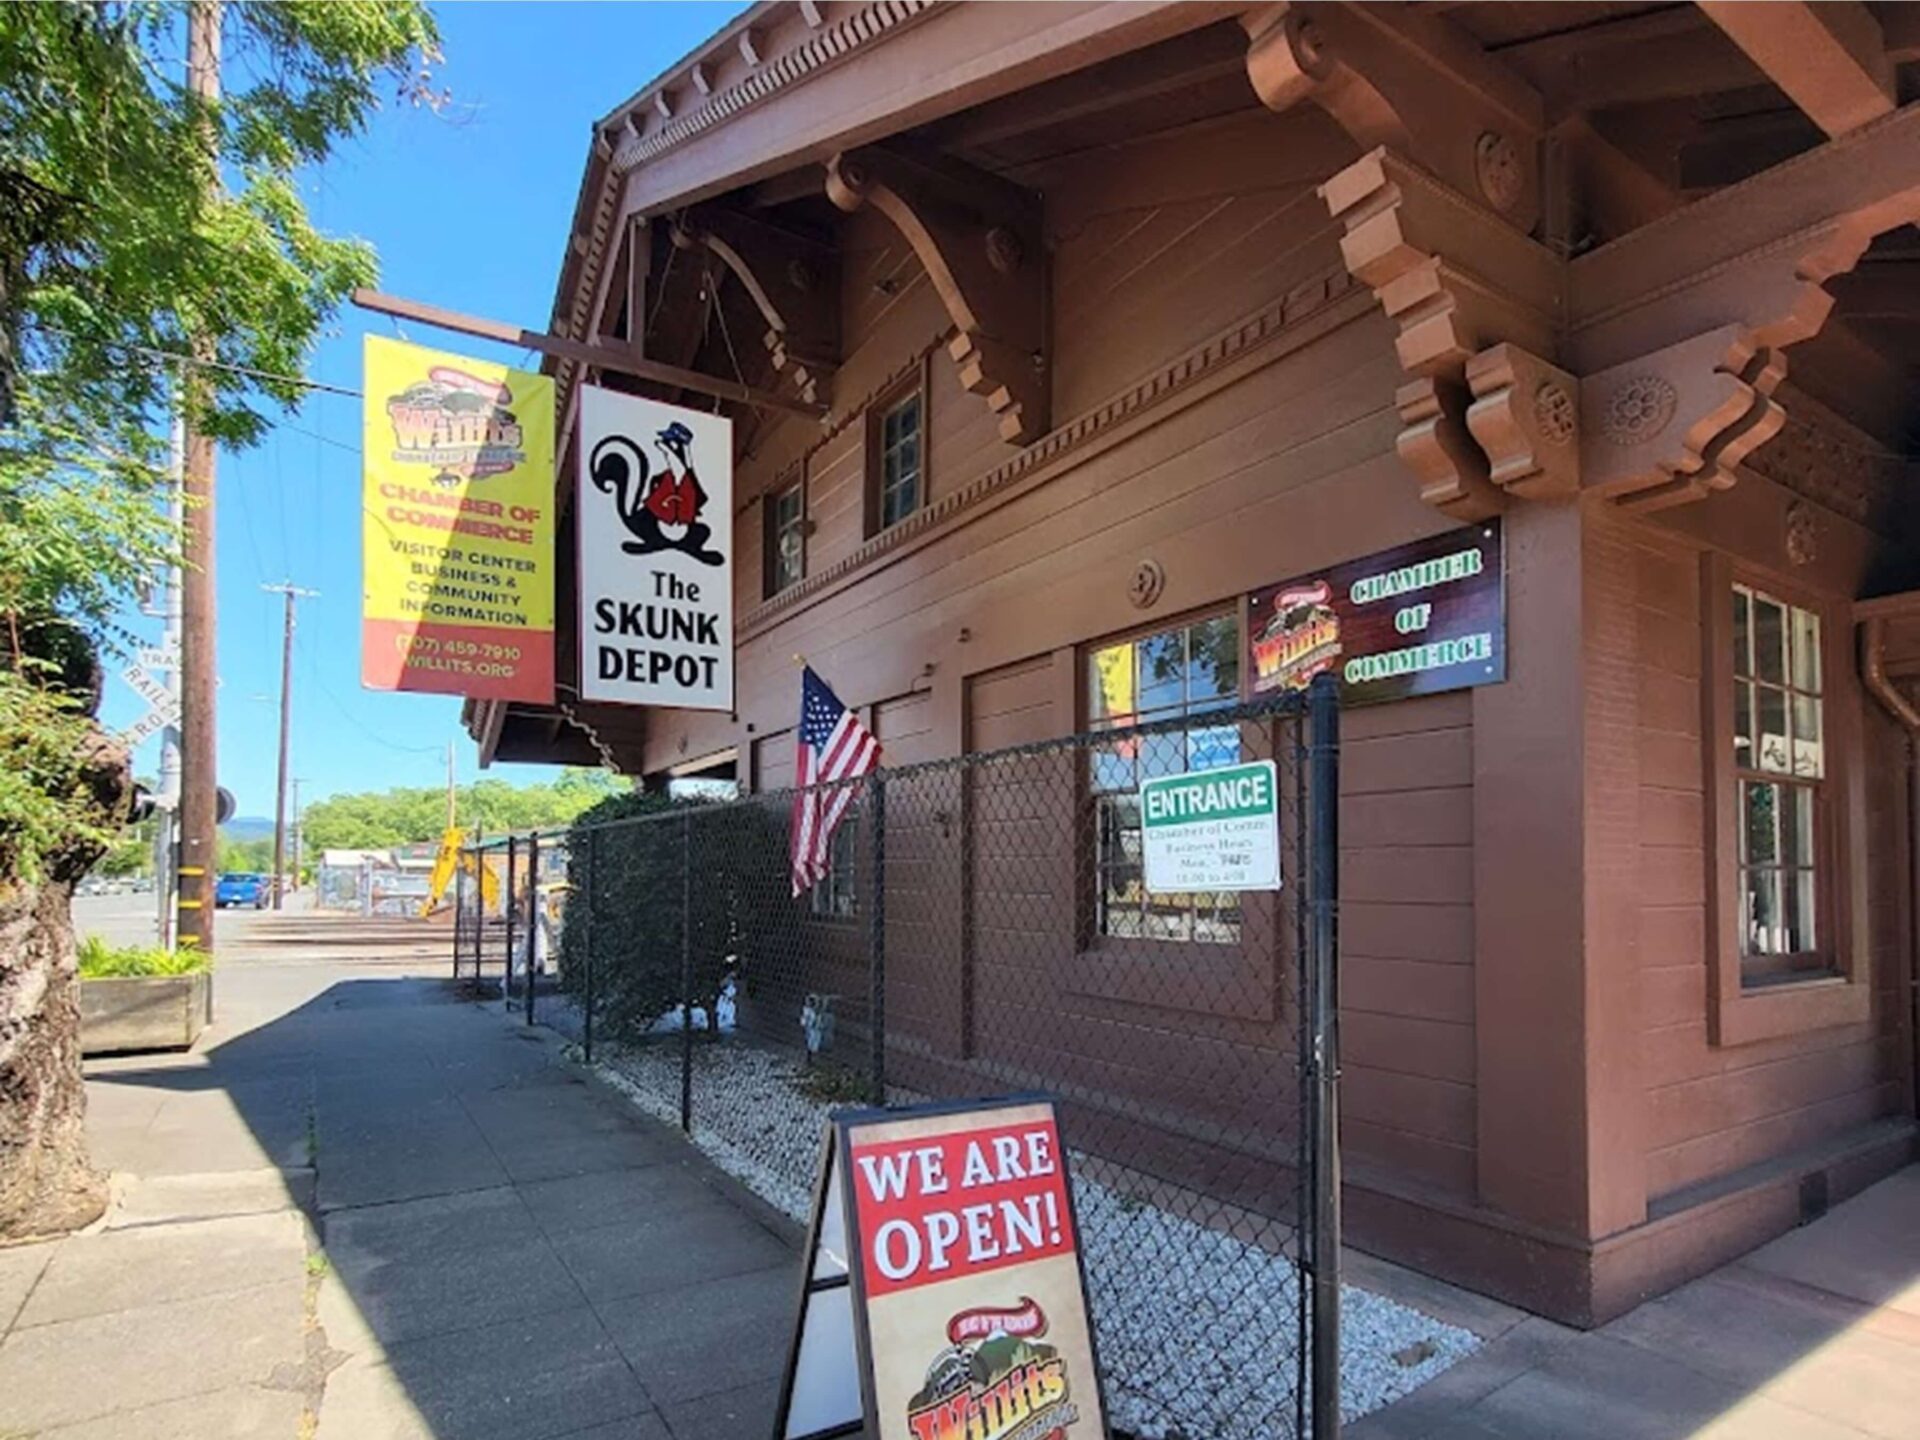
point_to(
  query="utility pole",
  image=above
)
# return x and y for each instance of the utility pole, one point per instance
(198, 761)
(451, 817)
(166, 810)
(292, 593)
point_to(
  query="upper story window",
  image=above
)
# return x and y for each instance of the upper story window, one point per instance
(786, 537)
(1780, 766)
(899, 454)
(1189, 670)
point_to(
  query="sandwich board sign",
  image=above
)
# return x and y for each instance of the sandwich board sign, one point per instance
(943, 1296)
(1212, 829)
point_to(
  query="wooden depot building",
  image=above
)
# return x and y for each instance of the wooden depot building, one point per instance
(1055, 332)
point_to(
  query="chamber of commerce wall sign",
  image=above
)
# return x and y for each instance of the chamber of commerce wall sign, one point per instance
(1414, 620)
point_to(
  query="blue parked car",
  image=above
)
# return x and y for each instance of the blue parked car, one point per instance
(241, 889)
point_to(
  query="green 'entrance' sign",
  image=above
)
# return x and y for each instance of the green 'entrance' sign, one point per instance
(1212, 829)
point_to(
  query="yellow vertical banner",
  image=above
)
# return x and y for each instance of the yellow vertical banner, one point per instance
(457, 526)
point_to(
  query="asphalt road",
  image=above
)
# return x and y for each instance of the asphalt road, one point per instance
(298, 932)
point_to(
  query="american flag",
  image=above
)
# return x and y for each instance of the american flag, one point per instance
(833, 747)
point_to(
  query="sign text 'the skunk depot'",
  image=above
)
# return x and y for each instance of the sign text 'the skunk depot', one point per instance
(655, 500)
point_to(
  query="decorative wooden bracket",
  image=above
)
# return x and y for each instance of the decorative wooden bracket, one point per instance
(1526, 417)
(1671, 427)
(1401, 227)
(793, 281)
(1393, 75)
(980, 240)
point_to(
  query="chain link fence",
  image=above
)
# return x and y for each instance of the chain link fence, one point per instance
(984, 929)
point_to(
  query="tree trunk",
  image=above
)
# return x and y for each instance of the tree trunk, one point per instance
(47, 1183)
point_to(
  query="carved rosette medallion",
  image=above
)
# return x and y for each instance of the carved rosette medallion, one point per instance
(1496, 165)
(1554, 413)
(1802, 533)
(1148, 580)
(1639, 410)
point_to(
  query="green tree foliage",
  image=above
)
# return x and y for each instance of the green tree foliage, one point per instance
(136, 223)
(253, 857)
(379, 820)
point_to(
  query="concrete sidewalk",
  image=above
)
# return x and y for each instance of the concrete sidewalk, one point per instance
(1813, 1337)
(365, 1209)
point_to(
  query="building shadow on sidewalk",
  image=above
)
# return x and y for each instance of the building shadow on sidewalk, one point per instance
(504, 1248)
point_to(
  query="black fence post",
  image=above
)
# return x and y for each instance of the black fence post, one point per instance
(512, 901)
(586, 945)
(459, 911)
(877, 937)
(479, 918)
(1323, 756)
(533, 914)
(686, 975)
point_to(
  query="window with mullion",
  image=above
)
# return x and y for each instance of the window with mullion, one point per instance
(1186, 671)
(900, 465)
(1780, 765)
(786, 538)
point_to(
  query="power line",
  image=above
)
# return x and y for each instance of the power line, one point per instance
(177, 357)
(319, 679)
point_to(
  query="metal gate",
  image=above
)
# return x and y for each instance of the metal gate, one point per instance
(984, 930)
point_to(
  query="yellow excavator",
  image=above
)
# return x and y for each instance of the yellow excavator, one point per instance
(454, 858)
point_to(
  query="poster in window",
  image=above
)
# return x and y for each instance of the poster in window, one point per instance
(1415, 620)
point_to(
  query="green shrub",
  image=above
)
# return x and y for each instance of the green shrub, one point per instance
(99, 960)
(722, 865)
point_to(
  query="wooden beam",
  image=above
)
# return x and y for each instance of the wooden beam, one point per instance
(1878, 291)
(1127, 79)
(606, 357)
(1830, 57)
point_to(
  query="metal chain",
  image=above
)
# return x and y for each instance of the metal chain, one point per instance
(572, 717)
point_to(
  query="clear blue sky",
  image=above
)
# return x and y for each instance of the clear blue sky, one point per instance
(468, 209)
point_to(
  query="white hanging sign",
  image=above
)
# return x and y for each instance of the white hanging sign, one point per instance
(655, 523)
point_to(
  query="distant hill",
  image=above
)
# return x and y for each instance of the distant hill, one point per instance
(248, 827)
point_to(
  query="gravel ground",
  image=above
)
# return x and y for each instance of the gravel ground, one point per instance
(1196, 1326)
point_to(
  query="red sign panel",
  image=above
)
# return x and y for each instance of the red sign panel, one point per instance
(971, 1313)
(960, 1204)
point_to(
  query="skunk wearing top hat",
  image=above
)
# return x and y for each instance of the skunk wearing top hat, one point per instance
(663, 515)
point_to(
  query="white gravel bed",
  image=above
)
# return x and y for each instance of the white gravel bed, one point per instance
(1194, 1325)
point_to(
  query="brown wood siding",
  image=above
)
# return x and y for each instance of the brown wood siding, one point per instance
(1714, 1109)
(1289, 467)
(1406, 896)
(1160, 242)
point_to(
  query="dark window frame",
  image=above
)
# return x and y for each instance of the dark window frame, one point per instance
(1105, 803)
(771, 581)
(835, 897)
(912, 390)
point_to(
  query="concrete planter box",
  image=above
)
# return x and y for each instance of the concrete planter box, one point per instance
(144, 1012)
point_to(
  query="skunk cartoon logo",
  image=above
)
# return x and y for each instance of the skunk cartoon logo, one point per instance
(661, 511)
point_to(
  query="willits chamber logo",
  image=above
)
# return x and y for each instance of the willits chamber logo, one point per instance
(1301, 640)
(661, 510)
(995, 1380)
(458, 423)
